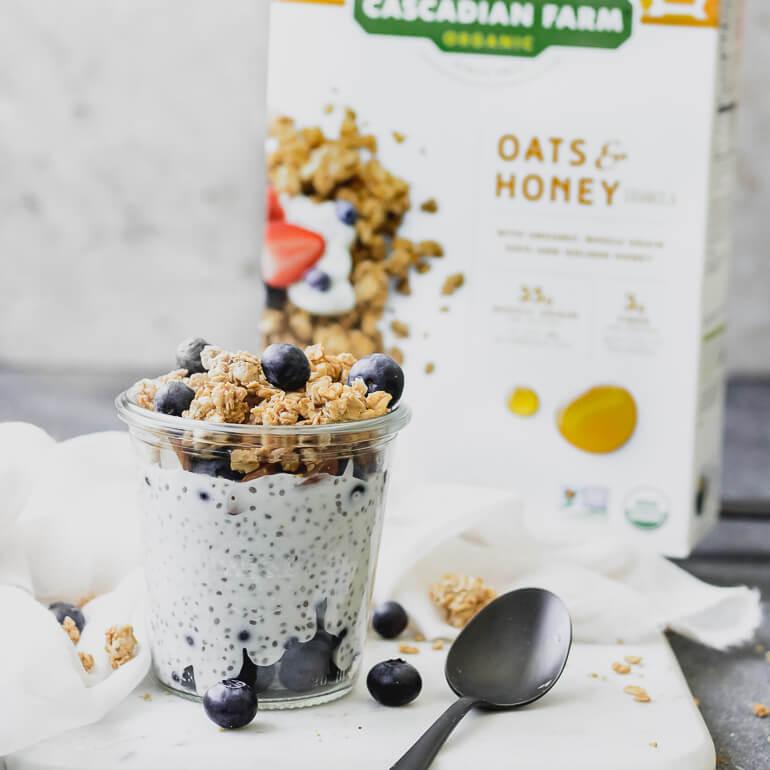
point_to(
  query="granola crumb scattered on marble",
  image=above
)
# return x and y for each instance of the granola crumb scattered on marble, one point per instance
(621, 668)
(120, 645)
(639, 694)
(760, 710)
(460, 597)
(147, 697)
(408, 649)
(452, 283)
(399, 137)
(396, 354)
(634, 660)
(429, 206)
(400, 329)
(430, 367)
(438, 644)
(87, 661)
(71, 629)
(418, 637)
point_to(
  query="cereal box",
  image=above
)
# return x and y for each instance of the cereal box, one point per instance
(526, 203)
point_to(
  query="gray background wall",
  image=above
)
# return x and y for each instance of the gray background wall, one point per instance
(129, 170)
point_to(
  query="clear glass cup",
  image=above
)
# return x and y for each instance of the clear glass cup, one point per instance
(261, 546)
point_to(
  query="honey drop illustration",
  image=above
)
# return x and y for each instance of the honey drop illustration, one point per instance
(599, 421)
(523, 402)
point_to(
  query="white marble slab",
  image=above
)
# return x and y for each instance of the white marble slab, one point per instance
(585, 723)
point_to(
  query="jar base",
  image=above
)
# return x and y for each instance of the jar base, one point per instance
(281, 700)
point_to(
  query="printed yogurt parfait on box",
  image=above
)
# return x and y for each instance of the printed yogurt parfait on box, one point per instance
(263, 488)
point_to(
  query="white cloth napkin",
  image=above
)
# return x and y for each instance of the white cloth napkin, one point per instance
(614, 590)
(69, 526)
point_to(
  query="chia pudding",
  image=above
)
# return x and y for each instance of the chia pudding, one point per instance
(261, 537)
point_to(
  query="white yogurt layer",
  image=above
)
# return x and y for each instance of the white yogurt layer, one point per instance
(336, 261)
(246, 565)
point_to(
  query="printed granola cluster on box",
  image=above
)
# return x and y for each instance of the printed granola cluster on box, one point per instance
(333, 252)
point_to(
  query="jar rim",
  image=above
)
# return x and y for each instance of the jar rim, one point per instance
(135, 416)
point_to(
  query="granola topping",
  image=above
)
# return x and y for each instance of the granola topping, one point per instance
(120, 644)
(460, 597)
(72, 631)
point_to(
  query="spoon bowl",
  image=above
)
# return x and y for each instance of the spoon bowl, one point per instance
(509, 655)
(513, 651)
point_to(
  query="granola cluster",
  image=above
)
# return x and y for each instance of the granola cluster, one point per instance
(307, 162)
(120, 645)
(460, 597)
(234, 389)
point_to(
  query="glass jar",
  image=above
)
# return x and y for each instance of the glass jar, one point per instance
(261, 545)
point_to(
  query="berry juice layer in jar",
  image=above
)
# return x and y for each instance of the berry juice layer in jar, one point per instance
(278, 567)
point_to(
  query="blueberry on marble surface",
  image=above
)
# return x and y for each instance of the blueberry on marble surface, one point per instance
(65, 610)
(230, 704)
(318, 279)
(346, 212)
(394, 682)
(389, 620)
(379, 372)
(285, 366)
(174, 398)
(188, 355)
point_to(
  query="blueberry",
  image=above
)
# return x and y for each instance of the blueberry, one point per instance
(285, 366)
(64, 610)
(174, 398)
(275, 299)
(188, 355)
(217, 466)
(188, 679)
(346, 212)
(394, 682)
(318, 280)
(389, 619)
(230, 704)
(257, 677)
(305, 666)
(379, 372)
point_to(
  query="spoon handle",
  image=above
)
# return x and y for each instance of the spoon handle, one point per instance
(424, 751)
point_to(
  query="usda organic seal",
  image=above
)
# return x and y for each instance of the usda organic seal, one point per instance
(646, 508)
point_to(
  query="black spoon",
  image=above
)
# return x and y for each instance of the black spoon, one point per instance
(512, 653)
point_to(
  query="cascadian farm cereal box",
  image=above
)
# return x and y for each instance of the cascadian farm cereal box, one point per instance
(526, 203)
